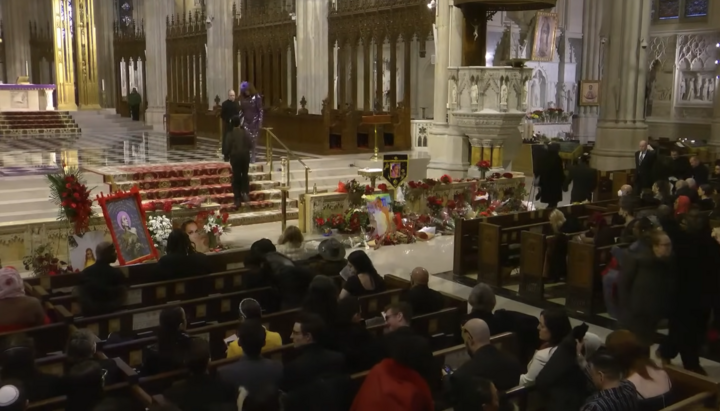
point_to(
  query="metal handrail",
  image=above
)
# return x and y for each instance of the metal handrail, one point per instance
(290, 153)
(286, 164)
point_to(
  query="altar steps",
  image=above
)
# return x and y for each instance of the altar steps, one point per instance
(24, 124)
(108, 122)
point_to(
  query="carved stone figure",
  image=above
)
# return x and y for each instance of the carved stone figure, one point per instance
(570, 97)
(503, 93)
(474, 94)
(711, 90)
(525, 92)
(454, 94)
(705, 86)
(683, 89)
(692, 91)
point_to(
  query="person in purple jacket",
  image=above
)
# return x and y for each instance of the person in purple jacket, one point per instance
(251, 106)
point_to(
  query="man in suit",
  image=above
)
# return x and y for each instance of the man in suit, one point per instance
(422, 298)
(645, 159)
(404, 345)
(699, 171)
(486, 362)
(314, 361)
(584, 180)
(200, 391)
(252, 371)
(229, 109)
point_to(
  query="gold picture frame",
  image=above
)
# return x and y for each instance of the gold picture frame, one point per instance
(589, 93)
(543, 47)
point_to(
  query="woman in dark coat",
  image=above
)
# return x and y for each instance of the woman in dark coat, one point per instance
(584, 180)
(551, 177)
(646, 286)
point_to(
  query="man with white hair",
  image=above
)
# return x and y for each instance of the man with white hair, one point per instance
(644, 163)
(688, 189)
(698, 171)
(486, 362)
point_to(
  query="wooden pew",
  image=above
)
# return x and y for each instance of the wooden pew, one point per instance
(584, 284)
(48, 338)
(222, 307)
(140, 273)
(692, 390)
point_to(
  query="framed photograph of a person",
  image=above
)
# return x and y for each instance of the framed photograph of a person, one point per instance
(589, 93)
(125, 219)
(544, 40)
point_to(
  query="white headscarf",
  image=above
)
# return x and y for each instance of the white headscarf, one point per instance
(11, 284)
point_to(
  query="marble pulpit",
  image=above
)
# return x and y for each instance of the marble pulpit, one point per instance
(26, 97)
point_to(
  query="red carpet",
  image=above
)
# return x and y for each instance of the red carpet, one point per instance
(18, 123)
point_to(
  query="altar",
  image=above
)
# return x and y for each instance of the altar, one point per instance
(26, 97)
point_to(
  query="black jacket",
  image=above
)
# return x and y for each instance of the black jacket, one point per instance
(562, 383)
(584, 181)
(158, 359)
(700, 174)
(689, 193)
(551, 178)
(290, 282)
(173, 266)
(102, 289)
(202, 393)
(423, 299)
(314, 361)
(360, 348)
(228, 110)
(488, 363)
(237, 144)
(680, 168)
(644, 171)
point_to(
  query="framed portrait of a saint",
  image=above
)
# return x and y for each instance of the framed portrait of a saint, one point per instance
(125, 219)
(543, 47)
(589, 93)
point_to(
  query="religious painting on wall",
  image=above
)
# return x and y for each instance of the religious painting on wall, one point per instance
(544, 40)
(125, 219)
(589, 93)
(395, 168)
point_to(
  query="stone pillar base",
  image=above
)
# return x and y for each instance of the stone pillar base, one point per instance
(449, 151)
(584, 126)
(616, 145)
(714, 141)
(154, 117)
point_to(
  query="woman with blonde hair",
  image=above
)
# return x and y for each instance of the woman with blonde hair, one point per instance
(651, 382)
(292, 245)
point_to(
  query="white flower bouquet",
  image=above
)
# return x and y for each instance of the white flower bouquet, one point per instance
(160, 228)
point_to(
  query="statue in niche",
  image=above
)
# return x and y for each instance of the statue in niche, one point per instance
(705, 87)
(503, 93)
(711, 90)
(683, 89)
(535, 95)
(453, 95)
(570, 97)
(474, 93)
(561, 96)
(525, 92)
(692, 91)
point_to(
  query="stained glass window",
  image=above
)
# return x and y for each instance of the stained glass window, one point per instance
(696, 8)
(668, 9)
(125, 12)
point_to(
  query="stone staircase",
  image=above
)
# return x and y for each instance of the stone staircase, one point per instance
(19, 124)
(106, 121)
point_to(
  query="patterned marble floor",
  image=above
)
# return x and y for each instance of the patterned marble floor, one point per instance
(35, 154)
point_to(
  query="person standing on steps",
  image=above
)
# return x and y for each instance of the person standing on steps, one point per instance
(236, 148)
(134, 101)
(229, 109)
(251, 106)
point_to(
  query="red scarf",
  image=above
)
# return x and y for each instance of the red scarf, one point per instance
(390, 386)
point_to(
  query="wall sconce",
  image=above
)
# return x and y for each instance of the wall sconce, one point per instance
(431, 4)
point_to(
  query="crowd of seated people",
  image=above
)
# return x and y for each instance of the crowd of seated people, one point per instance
(570, 367)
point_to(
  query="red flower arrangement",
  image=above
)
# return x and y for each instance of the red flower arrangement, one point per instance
(435, 204)
(483, 165)
(507, 175)
(413, 184)
(446, 179)
(383, 187)
(69, 192)
(369, 190)
(451, 204)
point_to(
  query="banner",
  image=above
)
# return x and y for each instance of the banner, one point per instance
(395, 168)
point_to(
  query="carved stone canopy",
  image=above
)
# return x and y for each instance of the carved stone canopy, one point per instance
(506, 5)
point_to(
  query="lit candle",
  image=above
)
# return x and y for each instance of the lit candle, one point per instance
(103, 84)
(27, 68)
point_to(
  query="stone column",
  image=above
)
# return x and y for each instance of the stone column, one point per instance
(622, 97)
(220, 50)
(16, 29)
(156, 13)
(585, 125)
(312, 53)
(104, 14)
(449, 146)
